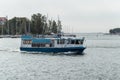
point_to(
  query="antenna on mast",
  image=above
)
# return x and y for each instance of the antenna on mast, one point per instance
(59, 25)
(8, 25)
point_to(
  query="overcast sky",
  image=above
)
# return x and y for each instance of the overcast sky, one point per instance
(76, 15)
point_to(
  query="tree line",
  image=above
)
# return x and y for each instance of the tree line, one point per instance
(39, 24)
(114, 31)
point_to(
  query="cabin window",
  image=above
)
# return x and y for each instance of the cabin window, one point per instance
(38, 45)
(58, 41)
(27, 42)
(47, 45)
(81, 42)
(77, 41)
(72, 41)
(68, 41)
(61, 41)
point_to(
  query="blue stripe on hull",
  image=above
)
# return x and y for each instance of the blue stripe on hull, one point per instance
(55, 50)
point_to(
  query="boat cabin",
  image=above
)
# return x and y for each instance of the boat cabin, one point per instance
(28, 41)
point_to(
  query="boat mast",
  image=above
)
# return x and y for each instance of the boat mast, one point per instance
(2, 29)
(25, 26)
(16, 25)
(8, 25)
(29, 27)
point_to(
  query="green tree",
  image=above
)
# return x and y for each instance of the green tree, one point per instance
(54, 27)
(12, 24)
(59, 26)
(18, 25)
(38, 23)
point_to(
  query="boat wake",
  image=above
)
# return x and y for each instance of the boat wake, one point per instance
(9, 50)
(44, 53)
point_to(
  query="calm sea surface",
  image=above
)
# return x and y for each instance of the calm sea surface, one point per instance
(100, 62)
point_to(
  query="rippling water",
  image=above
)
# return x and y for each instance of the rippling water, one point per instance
(100, 62)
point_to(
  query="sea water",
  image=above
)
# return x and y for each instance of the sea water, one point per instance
(100, 62)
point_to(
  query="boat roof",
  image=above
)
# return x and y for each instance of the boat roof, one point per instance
(41, 40)
(28, 37)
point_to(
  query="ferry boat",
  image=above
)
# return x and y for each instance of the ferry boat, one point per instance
(53, 44)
